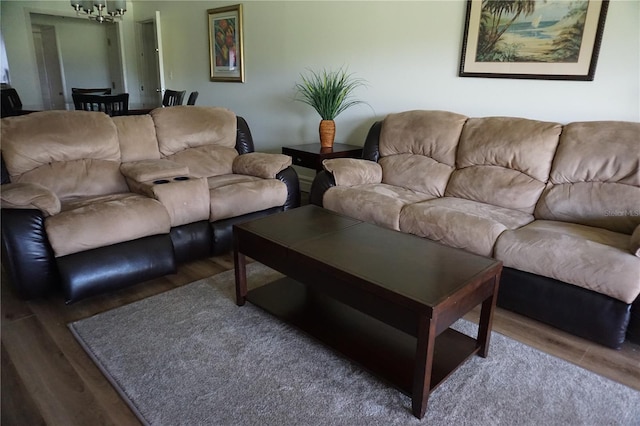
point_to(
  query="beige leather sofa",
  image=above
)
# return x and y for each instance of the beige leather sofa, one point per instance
(558, 204)
(93, 203)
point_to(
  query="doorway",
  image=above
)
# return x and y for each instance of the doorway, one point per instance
(63, 62)
(150, 62)
(49, 66)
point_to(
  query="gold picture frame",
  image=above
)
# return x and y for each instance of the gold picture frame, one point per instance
(551, 40)
(226, 49)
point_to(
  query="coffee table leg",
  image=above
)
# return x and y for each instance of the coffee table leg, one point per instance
(486, 319)
(240, 265)
(424, 364)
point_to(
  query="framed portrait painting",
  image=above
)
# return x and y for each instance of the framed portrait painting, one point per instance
(552, 39)
(226, 51)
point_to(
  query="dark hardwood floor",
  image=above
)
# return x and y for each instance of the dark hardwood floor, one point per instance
(47, 378)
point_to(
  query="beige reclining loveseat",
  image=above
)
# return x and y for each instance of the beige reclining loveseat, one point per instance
(93, 203)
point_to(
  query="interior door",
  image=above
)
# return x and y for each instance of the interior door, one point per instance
(159, 59)
(150, 63)
(116, 69)
(49, 68)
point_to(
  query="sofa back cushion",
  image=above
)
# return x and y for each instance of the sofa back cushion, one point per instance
(73, 153)
(418, 149)
(202, 138)
(137, 136)
(595, 178)
(187, 126)
(207, 160)
(504, 161)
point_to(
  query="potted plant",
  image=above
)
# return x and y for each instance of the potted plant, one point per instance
(329, 93)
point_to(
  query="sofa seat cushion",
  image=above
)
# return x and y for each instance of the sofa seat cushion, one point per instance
(235, 195)
(101, 221)
(374, 203)
(593, 258)
(461, 223)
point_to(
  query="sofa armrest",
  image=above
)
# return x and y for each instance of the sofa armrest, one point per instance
(185, 197)
(321, 184)
(260, 164)
(244, 140)
(148, 170)
(30, 196)
(635, 242)
(351, 171)
(27, 256)
(290, 178)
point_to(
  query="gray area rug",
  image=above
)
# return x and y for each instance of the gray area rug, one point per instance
(190, 356)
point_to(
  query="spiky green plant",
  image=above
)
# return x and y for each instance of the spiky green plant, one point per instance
(328, 92)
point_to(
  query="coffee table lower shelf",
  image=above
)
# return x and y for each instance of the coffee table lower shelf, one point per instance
(383, 350)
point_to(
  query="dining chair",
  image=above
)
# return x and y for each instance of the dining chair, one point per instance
(173, 97)
(96, 91)
(10, 103)
(112, 105)
(192, 98)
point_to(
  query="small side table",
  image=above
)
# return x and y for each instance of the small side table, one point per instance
(311, 155)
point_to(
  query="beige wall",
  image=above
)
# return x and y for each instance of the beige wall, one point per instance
(408, 51)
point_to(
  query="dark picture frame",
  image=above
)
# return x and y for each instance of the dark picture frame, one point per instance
(226, 46)
(554, 40)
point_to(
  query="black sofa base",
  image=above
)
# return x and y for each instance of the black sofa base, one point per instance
(223, 229)
(192, 241)
(203, 239)
(573, 309)
(116, 266)
(633, 329)
(27, 256)
(35, 272)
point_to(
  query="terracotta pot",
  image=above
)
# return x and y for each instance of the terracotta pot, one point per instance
(327, 133)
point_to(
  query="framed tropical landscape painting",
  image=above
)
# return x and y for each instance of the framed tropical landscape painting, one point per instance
(226, 51)
(535, 39)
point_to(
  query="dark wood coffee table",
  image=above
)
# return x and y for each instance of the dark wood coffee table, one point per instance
(311, 155)
(382, 298)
